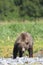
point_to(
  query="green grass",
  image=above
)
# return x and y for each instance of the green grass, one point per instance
(10, 31)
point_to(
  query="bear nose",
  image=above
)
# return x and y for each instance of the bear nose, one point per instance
(23, 49)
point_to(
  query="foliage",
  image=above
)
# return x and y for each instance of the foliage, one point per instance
(15, 9)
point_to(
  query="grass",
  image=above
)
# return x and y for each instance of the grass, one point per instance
(10, 31)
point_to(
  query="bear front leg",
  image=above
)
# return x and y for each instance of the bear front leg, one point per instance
(15, 51)
(20, 53)
(30, 52)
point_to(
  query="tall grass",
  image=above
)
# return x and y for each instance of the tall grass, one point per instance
(9, 33)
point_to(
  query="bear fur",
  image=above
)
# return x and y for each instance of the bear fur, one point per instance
(22, 43)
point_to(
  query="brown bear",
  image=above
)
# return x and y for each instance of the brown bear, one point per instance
(22, 43)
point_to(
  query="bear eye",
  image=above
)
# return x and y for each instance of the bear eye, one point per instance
(26, 43)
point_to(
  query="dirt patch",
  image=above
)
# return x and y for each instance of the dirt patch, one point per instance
(38, 54)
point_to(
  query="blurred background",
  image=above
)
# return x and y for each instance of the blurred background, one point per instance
(21, 9)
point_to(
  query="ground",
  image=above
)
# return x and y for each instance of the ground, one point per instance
(21, 61)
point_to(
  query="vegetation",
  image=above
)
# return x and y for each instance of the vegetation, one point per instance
(9, 33)
(20, 9)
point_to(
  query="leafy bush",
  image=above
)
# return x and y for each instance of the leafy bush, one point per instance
(23, 9)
